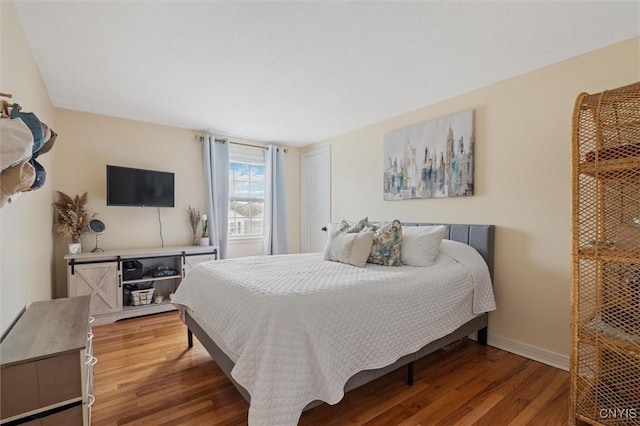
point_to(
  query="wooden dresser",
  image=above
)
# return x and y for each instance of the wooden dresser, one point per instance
(46, 365)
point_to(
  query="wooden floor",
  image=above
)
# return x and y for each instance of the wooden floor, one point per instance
(146, 375)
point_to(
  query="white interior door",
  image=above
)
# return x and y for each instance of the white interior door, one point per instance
(316, 198)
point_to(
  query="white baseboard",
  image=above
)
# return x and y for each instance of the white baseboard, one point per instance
(541, 355)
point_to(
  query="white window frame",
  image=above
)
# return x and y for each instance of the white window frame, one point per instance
(251, 156)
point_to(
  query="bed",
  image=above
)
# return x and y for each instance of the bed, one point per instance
(288, 348)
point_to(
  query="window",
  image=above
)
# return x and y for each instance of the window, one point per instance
(246, 191)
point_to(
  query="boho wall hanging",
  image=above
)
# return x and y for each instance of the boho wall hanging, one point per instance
(431, 159)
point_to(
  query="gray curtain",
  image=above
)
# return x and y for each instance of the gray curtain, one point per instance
(274, 239)
(216, 184)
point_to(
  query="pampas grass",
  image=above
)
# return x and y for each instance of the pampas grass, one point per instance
(72, 217)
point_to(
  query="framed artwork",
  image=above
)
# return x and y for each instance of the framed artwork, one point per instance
(430, 159)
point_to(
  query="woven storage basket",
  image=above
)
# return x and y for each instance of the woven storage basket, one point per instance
(142, 297)
(605, 357)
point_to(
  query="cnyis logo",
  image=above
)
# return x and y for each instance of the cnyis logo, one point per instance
(618, 413)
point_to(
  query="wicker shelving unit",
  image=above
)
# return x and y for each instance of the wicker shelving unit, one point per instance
(605, 315)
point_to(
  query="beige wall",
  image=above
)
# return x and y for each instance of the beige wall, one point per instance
(26, 259)
(92, 141)
(523, 185)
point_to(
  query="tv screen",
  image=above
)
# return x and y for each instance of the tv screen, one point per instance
(138, 187)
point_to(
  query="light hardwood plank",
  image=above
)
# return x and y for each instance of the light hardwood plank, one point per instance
(146, 376)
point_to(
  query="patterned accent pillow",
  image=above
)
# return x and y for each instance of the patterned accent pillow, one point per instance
(350, 227)
(370, 227)
(387, 242)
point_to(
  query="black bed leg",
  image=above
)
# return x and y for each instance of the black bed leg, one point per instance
(410, 373)
(189, 338)
(482, 336)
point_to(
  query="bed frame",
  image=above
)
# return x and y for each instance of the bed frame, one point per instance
(480, 237)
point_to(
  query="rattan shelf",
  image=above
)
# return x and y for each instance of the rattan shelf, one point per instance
(610, 338)
(611, 169)
(610, 254)
(605, 309)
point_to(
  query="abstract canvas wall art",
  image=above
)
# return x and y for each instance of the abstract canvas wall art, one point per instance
(430, 159)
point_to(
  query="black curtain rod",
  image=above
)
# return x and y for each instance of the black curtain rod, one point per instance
(201, 138)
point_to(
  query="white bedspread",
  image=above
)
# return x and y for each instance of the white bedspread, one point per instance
(299, 326)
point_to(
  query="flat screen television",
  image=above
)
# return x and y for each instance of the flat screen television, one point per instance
(138, 187)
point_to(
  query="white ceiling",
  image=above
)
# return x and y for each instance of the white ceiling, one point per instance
(298, 72)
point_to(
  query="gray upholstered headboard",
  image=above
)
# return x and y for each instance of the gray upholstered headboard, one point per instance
(480, 237)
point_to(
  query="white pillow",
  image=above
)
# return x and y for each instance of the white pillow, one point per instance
(421, 244)
(353, 248)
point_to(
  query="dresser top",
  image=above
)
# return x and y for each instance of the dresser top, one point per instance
(47, 328)
(133, 253)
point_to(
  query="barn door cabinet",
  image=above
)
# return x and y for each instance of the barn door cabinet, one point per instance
(102, 277)
(605, 356)
(47, 365)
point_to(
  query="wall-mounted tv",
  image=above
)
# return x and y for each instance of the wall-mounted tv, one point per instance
(138, 187)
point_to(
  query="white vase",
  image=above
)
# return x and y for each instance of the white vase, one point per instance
(75, 248)
(204, 241)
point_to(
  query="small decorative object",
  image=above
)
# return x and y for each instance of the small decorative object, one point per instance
(158, 298)
(162, 271)
(430, 159)
(171, 295)
(204, 240)
(194, 221)
(96, 227)
(72, 219)
(602, 244)
(74, 248)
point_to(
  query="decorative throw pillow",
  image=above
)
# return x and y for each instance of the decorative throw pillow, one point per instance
(350, 227)
(368, 226)
(421, 244)
(352, 248)
(386, 246)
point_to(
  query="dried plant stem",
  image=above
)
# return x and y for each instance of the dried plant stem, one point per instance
(194, 221)
(72, 217)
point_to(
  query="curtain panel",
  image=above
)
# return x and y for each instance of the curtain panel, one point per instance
(274, 239)
(216, 183)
